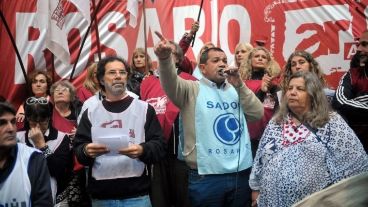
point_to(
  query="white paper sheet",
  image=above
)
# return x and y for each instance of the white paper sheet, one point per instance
(113, 138)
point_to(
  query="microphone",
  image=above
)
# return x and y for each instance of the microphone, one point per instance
(232, 71)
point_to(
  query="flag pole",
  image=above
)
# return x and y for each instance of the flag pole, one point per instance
(199, 15)
(145, 38)
(85, 38)
(97, 33)
(14, 45)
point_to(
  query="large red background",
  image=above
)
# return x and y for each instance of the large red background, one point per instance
(325, 28)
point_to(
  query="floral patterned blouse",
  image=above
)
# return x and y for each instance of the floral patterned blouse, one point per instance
(293, 161)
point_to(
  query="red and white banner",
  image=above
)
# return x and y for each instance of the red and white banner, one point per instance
(325, 28)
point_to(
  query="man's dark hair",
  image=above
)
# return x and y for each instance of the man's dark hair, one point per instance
(6, 107)
(101, 67)
(204, 56)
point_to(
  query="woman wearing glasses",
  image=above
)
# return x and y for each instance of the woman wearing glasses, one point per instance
(54, 145)
(64, 118)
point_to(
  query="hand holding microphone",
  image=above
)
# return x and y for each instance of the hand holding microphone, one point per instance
(233, 76)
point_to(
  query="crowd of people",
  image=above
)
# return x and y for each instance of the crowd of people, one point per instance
(190, 133)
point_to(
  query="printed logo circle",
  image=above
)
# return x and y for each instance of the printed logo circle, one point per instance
(227, 129)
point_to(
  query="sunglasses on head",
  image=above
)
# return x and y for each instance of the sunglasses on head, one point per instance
(34, 100)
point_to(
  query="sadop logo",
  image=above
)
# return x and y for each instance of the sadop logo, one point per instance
(227, 129)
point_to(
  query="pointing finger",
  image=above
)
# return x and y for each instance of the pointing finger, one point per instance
(159, 35)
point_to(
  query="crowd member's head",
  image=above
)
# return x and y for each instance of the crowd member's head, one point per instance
(138, 62)
(38, 113)
(8, 127)
(39, 83)
(112, 75)
(305, 99)
(259, 58)
(212, 64)
(91, 82)
(206, 46)
(241, 52)
(304, 61)
(362, 50)
(177, 52)
(63, 92)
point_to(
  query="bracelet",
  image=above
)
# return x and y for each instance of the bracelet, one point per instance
(46, 151)
(21, 113)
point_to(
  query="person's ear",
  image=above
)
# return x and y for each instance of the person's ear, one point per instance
(102, 82)
(202, 68)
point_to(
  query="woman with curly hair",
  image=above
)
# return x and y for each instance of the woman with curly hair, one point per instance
(302, 60)
(260, 72)
(38, 85)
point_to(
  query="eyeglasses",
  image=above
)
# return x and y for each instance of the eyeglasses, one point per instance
(61, 89)
(362, 43)
(34, 100)
(115, 73)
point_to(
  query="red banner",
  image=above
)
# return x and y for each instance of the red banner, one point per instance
(326, 29)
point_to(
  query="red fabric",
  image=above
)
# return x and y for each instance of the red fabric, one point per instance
(83, 94)
(256, 128)
(166, 111)
(359, 84)
(64, 125)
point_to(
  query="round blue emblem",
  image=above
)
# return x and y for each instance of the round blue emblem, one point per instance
(227, 129)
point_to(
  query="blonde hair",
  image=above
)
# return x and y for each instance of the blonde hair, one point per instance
(272, 68)
(88, 82)
(246, 45)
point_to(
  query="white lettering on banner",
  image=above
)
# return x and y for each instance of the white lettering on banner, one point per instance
(305, 27)
(239, 14)
(75, 21)
(28, 48)
(214, 20)
(108, 27)
(179, 16)
(151, 26)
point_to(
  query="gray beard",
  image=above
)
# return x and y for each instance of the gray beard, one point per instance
(116, 91)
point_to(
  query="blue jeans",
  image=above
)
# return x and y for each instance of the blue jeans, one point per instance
(142, 201)
(228, 190)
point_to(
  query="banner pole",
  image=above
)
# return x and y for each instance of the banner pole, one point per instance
(145, 38)
(199, 15)
(85, 38)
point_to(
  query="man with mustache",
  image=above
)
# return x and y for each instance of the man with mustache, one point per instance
(216, 141)
(119, 179)
(351, 98)
(24, 177)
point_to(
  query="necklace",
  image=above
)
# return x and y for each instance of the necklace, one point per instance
(365, 73)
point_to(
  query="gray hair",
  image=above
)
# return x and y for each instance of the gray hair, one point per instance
(320, 109)
(66, 84)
